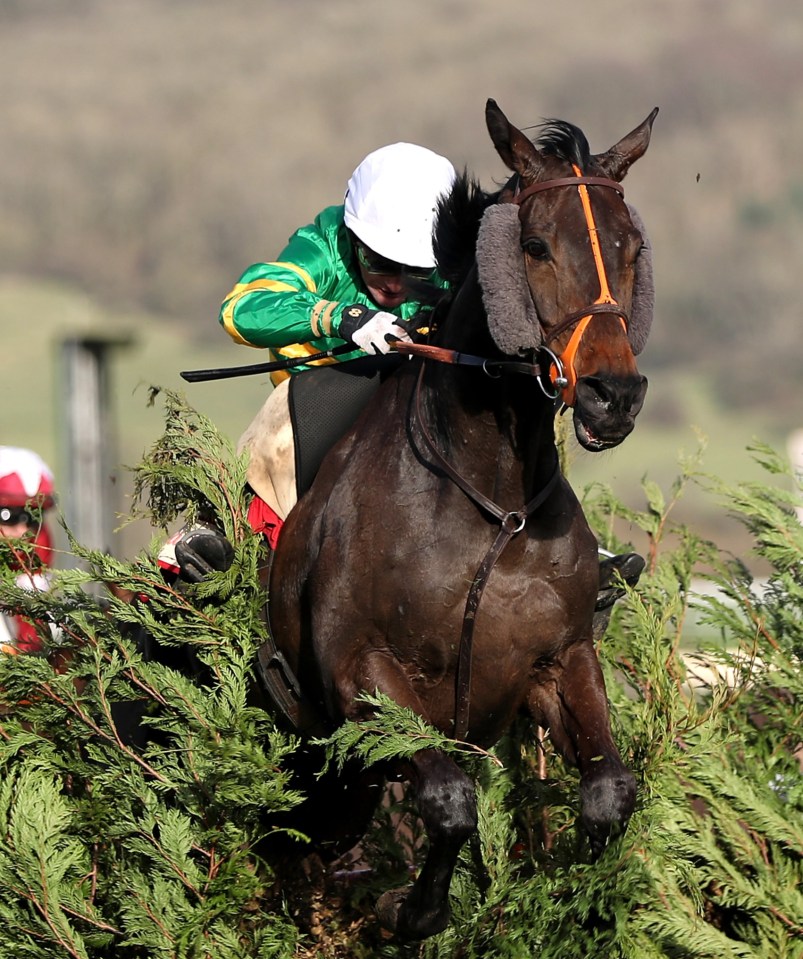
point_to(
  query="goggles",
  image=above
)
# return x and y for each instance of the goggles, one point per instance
(17, 515)
(381, 266)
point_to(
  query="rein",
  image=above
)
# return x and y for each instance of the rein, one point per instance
(440, 354)
(510, 523)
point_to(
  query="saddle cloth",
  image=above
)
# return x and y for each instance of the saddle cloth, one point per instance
(301, 420)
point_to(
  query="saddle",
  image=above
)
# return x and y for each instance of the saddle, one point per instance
(324, 405)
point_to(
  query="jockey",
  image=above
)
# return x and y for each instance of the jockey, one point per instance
(26, 493)
(341, 279)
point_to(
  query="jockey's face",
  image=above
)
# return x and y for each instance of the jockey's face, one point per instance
(16, 522)
(386, 291)
(385, 279)
(14, 532)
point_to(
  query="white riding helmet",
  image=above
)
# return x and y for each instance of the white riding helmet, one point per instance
(392, 198)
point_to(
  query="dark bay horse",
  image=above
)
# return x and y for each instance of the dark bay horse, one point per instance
(448, 491)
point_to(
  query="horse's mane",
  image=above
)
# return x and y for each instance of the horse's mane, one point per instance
(561, 139)
(456, 227)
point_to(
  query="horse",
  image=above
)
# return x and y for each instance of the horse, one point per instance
(440, 556)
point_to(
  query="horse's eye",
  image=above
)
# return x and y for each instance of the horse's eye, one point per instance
(536, 248)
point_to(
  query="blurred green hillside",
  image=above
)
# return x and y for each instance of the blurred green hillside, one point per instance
(151, 149)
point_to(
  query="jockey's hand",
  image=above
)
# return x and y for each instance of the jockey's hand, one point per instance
(374, 331)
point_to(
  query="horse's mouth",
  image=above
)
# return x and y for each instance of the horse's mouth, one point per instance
(590, 441)
(605, 409)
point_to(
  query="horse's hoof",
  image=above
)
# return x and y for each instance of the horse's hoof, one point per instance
(388, 905)
(607, 804)
(395, 913)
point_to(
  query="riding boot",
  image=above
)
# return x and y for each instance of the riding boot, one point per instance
(203, 551)
(615, 573)
(629, 567)
(194, 552)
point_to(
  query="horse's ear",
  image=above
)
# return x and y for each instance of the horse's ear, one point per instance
(622, 155)
(517, 152)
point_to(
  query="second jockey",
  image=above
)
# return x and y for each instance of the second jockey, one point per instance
(27, 492)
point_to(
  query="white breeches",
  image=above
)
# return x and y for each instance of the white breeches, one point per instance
(269, 439)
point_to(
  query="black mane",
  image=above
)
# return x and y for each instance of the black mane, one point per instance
(456, 227)
(561, 139)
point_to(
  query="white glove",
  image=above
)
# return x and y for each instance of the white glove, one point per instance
(369, 329)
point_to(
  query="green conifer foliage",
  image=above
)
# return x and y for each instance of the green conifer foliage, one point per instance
(113, 849)
(117, 848)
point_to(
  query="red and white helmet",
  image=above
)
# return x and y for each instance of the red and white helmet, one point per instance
(25, 479)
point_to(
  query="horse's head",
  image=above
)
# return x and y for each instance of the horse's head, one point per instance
(580, 249)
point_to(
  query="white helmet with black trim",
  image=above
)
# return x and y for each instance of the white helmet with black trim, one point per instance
(392, 198)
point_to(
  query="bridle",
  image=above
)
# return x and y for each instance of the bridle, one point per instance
(605, 302)
(561, 373)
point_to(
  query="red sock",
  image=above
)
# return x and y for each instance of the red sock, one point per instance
(263, 519)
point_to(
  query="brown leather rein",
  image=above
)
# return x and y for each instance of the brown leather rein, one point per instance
(511, 522)
(441, 354)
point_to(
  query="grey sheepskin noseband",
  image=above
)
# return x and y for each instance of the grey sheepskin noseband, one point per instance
(512, 320)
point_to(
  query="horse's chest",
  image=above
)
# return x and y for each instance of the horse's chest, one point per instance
(523, 608)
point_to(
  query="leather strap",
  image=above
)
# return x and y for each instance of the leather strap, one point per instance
(572, 318)
(511, 524)
(454, 357)
(520, 195)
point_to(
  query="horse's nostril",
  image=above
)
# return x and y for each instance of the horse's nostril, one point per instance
(610, 394)
(636, 399)
(593, 391)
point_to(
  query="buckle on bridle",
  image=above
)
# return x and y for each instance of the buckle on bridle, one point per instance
(559, 382)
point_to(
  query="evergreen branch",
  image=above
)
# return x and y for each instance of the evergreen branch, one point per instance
(392, 732)
(115, 739)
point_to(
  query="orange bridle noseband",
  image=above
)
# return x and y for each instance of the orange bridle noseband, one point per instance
(565, 374)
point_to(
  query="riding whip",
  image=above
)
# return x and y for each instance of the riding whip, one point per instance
(198, 376)
(227, 372)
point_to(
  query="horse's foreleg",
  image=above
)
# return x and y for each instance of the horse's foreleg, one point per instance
(447, 804)
(448, 807)
(573, 704)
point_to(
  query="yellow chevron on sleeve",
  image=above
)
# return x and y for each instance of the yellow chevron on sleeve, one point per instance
(294, 351)
(241, 290)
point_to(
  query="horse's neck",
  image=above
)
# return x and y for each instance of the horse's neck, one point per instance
(502, 429)
(497, 431)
